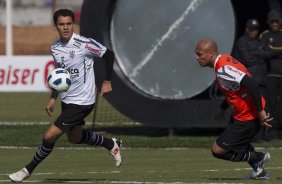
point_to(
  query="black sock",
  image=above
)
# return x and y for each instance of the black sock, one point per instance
(249, 156)
(91, 138)
(108, 143)
(251, 149)
(42, 152)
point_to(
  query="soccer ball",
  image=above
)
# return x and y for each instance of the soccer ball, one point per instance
(59, 80)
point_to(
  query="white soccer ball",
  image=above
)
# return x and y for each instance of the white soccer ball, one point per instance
(59, 80)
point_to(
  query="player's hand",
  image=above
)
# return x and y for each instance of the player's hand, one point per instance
(50, 106)
(265, 118)
(219, 115)
(106, 87)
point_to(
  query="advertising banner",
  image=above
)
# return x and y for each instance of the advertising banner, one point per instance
(25, 73)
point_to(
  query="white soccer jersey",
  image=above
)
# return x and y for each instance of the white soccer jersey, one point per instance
(77, 56)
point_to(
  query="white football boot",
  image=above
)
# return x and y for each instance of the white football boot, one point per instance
(115, 151)
(19, 176)
(258, 167)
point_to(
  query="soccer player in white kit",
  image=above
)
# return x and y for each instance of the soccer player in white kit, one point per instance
(74, 53)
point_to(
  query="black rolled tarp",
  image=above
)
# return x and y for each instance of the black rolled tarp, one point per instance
(169, 89)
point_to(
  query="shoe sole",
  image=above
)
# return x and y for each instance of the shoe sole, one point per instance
(266, 177)
(256, 178)
(17, 181)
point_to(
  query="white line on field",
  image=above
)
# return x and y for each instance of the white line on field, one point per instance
(70, 173)
(44, 181)
(31, 123)
(94, 148)
(117, 182)
(59, 148)
(238, 169)
(124, 148)
(118, 172)
(138, 182)
(104, 172)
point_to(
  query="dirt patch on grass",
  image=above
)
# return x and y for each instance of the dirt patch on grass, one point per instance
(30, 40)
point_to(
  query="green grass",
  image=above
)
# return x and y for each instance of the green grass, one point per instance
(26, 107)
(140, 165)
(32, 136)
(147, 157)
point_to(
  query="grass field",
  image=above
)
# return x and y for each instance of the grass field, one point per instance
(150, 156)
(152, 166)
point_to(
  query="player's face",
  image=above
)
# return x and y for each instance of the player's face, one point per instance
(203, 57)
(65, 27)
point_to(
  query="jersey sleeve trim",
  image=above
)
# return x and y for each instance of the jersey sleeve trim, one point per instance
(230, 73)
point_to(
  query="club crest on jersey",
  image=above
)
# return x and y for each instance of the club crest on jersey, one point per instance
(61, 65)
(72, 54)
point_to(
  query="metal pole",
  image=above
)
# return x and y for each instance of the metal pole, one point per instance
(9, 28)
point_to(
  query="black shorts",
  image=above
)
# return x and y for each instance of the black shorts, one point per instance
(238, 135)
(72, 115)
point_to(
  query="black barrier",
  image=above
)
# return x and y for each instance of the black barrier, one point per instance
(197, 111)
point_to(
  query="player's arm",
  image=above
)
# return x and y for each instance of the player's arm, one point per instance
(97, 49)
(109, 58)
(54, 95)
(254, 90)
(51, 102)
(109, 63)
(219, 115)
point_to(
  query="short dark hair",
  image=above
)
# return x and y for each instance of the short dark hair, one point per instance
(63, 12)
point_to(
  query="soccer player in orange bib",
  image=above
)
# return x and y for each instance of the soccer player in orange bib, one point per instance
(242, 94)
